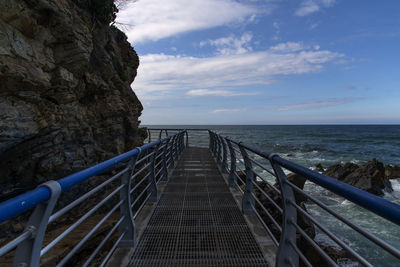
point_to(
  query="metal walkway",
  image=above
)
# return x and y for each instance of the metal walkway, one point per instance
(192, 218)
(196, 221)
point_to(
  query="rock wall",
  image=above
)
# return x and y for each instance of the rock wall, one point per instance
(65, 96)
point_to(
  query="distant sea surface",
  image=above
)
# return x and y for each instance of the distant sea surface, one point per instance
(313, 144)
(327, 144)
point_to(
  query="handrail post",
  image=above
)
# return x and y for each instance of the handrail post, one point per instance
(164, 159)
(28, 252)
(159, 136)
(224, 166)
(181, 143)
(218, 149)
(128, 225)
(248, 200)
(149, 133)
(187, 138)
(175, 148)
(232, 174)
(152, 178)
(214, 145)
(287, 255)
(171, 151)
(210, 140)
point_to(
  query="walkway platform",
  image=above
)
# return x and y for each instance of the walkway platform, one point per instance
(197, 221)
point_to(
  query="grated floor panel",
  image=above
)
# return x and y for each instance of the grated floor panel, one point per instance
(196, 221)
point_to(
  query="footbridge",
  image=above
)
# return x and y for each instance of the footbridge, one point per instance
(190, 197)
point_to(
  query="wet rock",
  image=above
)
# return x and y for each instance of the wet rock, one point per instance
(339, 171)
(319, 167)
(392, 171)
(370, 177)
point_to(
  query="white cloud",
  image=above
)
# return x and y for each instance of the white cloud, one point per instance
(159, 72)
(288, 47)
(308, 7)
(229, 110)
(208, 92)
(319, 104)
(231, 45)
(277, 30)
(154, 20)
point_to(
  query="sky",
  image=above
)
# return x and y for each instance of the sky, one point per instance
(266, 61)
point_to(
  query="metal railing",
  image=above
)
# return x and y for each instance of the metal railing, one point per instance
(198, 136)
(137, 174)
(279, 207)
(285, 216)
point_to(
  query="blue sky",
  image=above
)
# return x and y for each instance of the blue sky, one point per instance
(266, 61)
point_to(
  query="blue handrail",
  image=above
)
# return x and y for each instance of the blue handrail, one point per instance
(288, 229)
(19, 204)
(371, 202)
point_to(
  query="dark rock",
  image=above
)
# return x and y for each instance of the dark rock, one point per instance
(339, 171)
(369, 177)
(392, 171)
(65, 96)
(319, 167)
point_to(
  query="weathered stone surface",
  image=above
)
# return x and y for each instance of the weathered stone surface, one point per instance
(392, 171)
(370, 177)
(65, 96)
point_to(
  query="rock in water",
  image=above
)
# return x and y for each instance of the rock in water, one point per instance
(65, 96)
(369, 177)
(392, 171)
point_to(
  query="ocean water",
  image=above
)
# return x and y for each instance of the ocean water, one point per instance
(327, 145)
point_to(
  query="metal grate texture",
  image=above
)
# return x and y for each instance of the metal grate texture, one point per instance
(196, 221)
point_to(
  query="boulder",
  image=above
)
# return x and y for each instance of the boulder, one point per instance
(339, 171)
(369, 177)
(392, 171)
(319, 167)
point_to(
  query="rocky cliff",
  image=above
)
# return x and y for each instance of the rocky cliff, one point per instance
(65, 96)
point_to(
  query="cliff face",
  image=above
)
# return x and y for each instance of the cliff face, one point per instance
(65, 96)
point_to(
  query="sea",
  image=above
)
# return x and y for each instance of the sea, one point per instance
(310, 145)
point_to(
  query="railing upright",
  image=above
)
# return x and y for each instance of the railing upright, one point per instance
(175, 147)
(181, 143)
(287, 255)
(187, 138)
(171, 151)
(214, 144)
(127, 225)
(219, 149)
(152, 178)
(232, 173)
(210, 141)
(248, 200)
(149, 134)
(28, 252)
(224, 164)
(164, 160)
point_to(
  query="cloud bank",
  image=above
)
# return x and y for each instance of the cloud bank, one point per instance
(210, 75)
(152, 20)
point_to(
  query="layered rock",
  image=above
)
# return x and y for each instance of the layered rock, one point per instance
(372, 177)
(65, 96)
